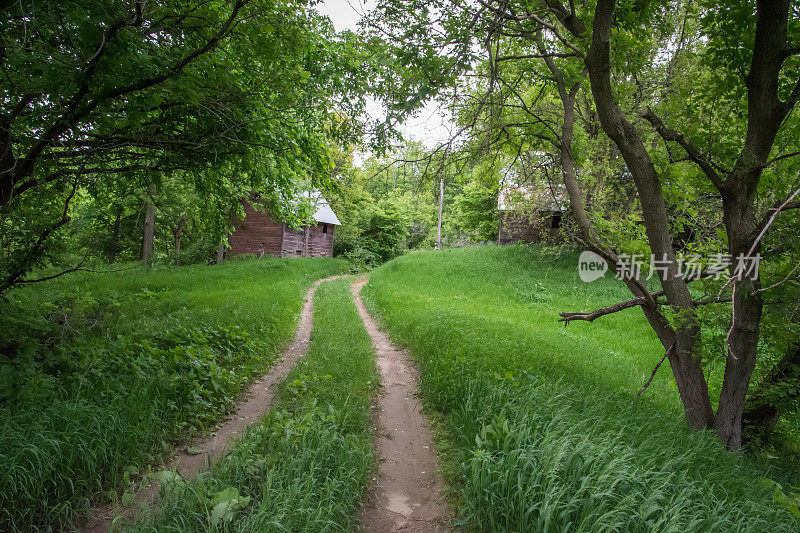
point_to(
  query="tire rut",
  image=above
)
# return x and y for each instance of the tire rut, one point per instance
(408, 492)
(207, 450)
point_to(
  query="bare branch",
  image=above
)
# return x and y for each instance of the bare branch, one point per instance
(653, 374)
(536, 56)
(54, 276)
(766, 223)
(784, 156)
(566, 318)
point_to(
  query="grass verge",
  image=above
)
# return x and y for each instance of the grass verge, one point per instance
(539, 425)
(100, 374)
(307, 465)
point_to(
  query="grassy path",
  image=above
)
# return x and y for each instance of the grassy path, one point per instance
(307, 465)
(407, 495)
(201, 454)
(539, 428)
(105, 374)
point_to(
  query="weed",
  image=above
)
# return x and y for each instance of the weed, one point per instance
(102, 373)
(307, 465)
(539, 423)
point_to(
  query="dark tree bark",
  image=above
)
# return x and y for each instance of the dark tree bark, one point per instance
(149, 228)
(765, 113)
(685, 364)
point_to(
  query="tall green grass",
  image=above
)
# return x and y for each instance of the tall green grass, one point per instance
(306, 466)
(101, 374)
(539, 424)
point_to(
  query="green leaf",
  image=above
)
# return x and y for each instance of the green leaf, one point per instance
(226, 503)
(128, 499)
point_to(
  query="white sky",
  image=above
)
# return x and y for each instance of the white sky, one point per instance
(429, 126)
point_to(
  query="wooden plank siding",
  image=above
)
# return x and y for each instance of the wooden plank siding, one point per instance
(258, 234)
(518, 227)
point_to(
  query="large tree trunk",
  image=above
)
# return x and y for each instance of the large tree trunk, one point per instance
(683, 358)
(687, 371)
(744, 331)
(765, 113)
(149, 228)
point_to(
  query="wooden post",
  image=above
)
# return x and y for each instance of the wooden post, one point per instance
(149, 227)
(439, 225)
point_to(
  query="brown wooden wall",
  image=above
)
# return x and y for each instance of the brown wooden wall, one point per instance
(259, 235)
(310, 241)
(256, 234)
(516, 227)
(321, 244)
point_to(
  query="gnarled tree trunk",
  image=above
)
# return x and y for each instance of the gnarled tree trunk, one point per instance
(683, 357)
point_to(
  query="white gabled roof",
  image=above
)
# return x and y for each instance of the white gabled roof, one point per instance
(324, 213)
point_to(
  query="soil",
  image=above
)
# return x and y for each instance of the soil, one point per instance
(408, 492)
(201, 454)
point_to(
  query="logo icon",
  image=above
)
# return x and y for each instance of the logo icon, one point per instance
(591, 266)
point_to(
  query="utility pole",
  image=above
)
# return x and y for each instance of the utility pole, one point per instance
(439, 225)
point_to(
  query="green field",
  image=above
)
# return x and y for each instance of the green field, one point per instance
(307, 465)
(538, 424)
(107, 371)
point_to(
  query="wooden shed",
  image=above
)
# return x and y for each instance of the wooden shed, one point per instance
(258, 233)
(530, 214)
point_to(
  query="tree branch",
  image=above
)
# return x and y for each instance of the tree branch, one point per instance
(566, 318)
(54, 276)
(658, 365)
(669, 134)
(73, 115)
(768, 219)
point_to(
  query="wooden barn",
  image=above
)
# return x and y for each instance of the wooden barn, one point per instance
(530, 214)
(259, 234)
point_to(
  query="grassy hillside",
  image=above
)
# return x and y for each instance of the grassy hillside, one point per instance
(539, 425)
(100, 373)
(306, 466)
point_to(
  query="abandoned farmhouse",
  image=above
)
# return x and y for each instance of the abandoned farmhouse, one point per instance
(257, 233)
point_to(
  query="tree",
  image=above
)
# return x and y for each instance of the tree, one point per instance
(232, 96)
(615, 46)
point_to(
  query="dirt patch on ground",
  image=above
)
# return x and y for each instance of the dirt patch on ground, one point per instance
(407, 495)
(206, 451)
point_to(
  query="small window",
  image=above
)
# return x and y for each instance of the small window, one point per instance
(556, 221)
(324, 228)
